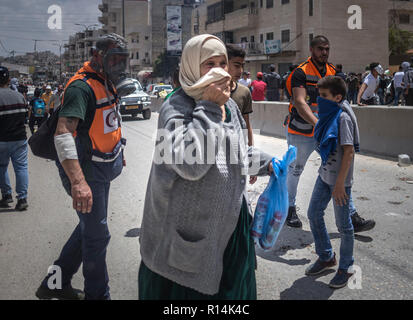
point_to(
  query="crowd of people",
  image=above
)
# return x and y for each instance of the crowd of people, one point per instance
(195, 239)
(375, 86)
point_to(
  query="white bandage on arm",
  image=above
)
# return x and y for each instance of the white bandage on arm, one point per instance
(65, 147)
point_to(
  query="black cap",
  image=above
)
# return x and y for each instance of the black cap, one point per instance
(4, 75)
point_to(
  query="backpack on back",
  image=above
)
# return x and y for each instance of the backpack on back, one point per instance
(39, 108)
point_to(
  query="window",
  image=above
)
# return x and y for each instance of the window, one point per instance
(146, 37)
(252, 39)
(244, 39)
(215, 12)
(404, 18)
(270, 36)
(310, 38)
(270, 3)
(285, 1)
(137, 55)
(261, 3)
(310, 8)
(261, 38)
(285, 36)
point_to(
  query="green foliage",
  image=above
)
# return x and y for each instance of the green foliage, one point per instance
(399, 41)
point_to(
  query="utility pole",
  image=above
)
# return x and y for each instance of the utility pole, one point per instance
(123, 18)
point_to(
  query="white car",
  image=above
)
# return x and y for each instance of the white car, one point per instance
(159, 88)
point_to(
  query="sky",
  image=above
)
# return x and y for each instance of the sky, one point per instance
(23, 20)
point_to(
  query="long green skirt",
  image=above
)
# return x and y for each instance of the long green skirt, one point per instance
(238, 278)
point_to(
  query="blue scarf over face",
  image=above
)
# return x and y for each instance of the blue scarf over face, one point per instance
(326, 129)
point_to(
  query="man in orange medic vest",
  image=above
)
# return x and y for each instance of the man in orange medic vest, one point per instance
(89, 145)
(302, 87)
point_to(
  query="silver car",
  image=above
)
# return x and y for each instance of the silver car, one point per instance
(137, 102)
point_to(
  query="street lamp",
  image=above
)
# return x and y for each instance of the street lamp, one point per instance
(60, 44)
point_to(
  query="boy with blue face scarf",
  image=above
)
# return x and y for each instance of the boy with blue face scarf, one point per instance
(338, 139)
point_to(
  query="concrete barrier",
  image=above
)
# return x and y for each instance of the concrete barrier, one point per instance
(384, 131)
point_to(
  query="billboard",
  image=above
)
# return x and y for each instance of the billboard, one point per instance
(272, 46)
(174, 29)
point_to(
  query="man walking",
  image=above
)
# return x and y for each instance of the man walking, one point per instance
(397, 83)
(87, 164)
(13, 143)
(302, 86)
(273, 81)
(55, 100)
(408, 83)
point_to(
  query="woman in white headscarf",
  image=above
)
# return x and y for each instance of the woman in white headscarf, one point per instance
(195, 238)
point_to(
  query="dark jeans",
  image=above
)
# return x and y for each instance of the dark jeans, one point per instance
(87, 245)
(352, 96)
(409, 99)
(273, 95)
(35, 121)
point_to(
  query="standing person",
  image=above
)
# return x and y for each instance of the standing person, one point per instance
(408, 83)
(284, 81)
(368, 92)
(55, 100)
(88, 164)
(195, 240)
(47, 95)
(303, 117)
(273, 81)
(240, 93)
(340, 73)
(259, 88)
(353, 84)
(337, 124)
(381, 91)
(13, 143)
(397, 83)
(245, 81)
(37, 111)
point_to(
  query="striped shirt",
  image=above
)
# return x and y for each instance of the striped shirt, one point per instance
(13, 110)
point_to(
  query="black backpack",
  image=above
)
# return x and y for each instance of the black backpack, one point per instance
(42, 141)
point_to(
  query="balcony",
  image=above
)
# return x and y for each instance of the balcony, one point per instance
(236, 20)
(134, 62)
(252, 48)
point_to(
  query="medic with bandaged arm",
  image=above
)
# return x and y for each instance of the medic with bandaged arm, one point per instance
(89, 145)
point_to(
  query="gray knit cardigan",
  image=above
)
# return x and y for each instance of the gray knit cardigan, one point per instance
(191, 210)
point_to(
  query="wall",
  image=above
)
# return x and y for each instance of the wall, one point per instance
(384, 131)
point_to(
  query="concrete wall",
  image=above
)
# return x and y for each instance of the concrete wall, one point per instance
(384, 131)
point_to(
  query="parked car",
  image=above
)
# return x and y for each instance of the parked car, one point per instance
(159, 88)
(137, 102)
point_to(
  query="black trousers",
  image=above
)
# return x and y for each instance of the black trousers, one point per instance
(35, 120)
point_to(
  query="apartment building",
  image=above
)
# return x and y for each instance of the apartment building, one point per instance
(77, 50)
(279, 31)
(136, 29)
(159, 24)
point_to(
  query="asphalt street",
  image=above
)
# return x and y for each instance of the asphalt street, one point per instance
(31, 240)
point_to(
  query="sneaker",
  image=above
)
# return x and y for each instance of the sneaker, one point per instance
(66, 293)
(320, 266)
(360, 224)
(6, 199)
(340, 279)
(21, 205)
(292, 218)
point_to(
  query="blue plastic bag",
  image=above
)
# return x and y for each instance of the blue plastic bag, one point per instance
(272, 205)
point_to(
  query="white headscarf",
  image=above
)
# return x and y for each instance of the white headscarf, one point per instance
(196, 51)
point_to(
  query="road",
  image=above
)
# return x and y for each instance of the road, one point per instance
(31, 240)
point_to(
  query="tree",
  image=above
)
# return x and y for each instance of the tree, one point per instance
(165, 65)
(399, 40)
